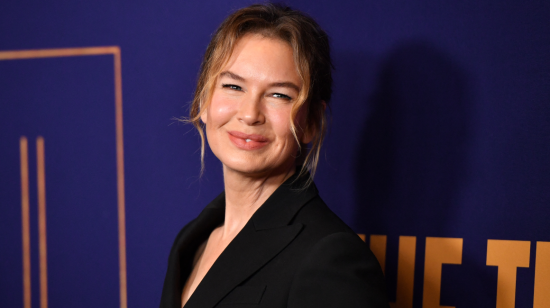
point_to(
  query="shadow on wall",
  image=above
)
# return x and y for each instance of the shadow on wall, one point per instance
(411, 160)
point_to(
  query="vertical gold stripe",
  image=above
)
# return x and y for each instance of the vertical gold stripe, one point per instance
(378, 248)
(41, 176)
(25, 221)
(405, 272)
(541, 297)
(120, 180)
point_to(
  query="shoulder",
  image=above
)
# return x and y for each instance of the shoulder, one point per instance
(338, 270)
(319, 221)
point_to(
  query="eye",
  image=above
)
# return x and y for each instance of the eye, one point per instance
(283, 96)
(232, 87)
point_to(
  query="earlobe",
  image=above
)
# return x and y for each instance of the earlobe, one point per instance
(308, 135)
(204, 117)
(311, 130)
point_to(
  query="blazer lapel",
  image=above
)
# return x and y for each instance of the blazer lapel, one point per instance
(181, 257)
(242, 257)
(267, 233)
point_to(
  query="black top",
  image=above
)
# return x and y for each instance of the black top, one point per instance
(293, 252)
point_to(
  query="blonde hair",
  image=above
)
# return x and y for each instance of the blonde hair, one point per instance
(311, 51)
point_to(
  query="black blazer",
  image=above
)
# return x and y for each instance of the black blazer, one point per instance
(293, 252)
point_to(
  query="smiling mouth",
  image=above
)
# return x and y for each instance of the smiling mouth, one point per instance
(247, 141)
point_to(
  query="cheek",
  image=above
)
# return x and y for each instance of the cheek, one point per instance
(220, 110)
(280, 122)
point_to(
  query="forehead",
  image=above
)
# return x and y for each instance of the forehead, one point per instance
(263, 58)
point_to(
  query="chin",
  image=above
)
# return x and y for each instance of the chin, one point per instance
(254, 167)
(246, 167)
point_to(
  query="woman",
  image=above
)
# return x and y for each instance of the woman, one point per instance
(268, 240)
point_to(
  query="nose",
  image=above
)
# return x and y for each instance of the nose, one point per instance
(250, 111)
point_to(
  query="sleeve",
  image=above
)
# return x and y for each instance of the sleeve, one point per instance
(339, 271)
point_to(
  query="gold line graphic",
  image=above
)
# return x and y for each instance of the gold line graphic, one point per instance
(120, 180)
(25, 221)
(75, 52)
(55, 53)
(41, 177)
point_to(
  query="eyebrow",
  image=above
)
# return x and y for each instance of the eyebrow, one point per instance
(275, 84)
(286, 85)
(231, 75)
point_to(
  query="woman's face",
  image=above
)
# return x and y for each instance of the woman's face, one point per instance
(248, 119)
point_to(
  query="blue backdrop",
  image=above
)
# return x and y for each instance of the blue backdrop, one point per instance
(440, 129)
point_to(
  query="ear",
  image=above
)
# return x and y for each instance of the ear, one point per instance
(311, 131)
(308, 135)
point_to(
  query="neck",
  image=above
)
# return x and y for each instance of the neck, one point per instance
(244, 194)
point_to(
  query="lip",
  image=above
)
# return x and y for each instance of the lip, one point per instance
(239, 140)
